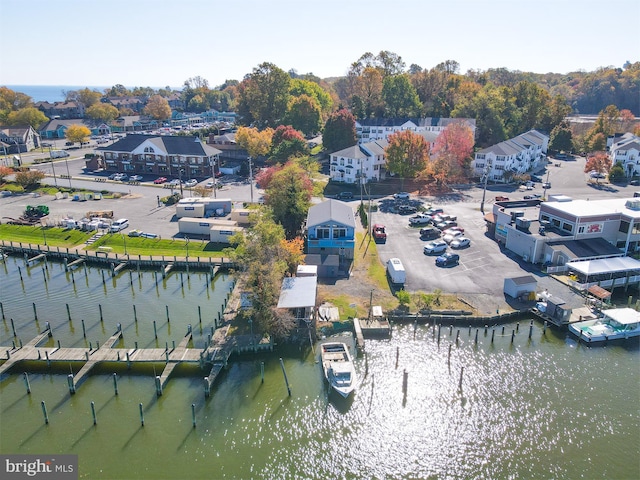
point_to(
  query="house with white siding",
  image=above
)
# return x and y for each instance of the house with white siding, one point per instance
(625, 149)
(515, 156)
(372, 129)
(361, 162)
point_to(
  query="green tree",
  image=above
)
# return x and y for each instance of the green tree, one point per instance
(407, 154)
(158, 108)
(77, 133)
(85, 97)
(561, 138)
(400, 97)
(289, 195)
(286, 143)
(314, 90)
(339, 131)
(263, 96)
(26, 116)
(617, 173)
(304, 114)
(104, 112)
(117, 91)
(29, 178)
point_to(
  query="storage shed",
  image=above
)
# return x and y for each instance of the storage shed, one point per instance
(517, 287)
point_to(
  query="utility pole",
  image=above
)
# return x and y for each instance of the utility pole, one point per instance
(55, 180)
(251, 179)
(484, 190)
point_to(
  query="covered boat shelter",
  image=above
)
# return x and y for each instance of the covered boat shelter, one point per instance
(607, 273)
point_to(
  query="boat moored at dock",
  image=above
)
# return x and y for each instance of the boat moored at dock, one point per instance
(614, 324)
(338, 368)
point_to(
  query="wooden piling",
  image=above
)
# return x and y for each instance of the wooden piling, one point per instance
(72, 387)
(2, 311)
(199, 314)
(84, 331)
(26, 382)
(167, 309)
(155, 329)
(141, 414)
(193, 414)
(35, 312)
(461, 374)
(158, 386)
(530, 328)
(513, 334)
(261, 372)
(93, 413)
(44, 412)
(68, 313)
(115, 383)
(100, 309)
(286, 380)
(493, 334)
(475, 341)
(13, 328)
(135, 314)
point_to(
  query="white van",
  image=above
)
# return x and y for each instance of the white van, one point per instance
(119, 224)
(396, 272)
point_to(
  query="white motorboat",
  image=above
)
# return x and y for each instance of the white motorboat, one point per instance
(338, 367)
(614, 324)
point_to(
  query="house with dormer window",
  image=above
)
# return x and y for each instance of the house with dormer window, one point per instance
(372, 129)
(175, 156)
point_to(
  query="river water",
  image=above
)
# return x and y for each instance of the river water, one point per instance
(540, 407)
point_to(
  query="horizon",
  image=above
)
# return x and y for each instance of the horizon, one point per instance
(320, 38)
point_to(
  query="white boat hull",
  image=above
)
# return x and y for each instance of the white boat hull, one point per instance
(338, 368)
(592, 331)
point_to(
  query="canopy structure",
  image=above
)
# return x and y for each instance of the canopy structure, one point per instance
(603, 266)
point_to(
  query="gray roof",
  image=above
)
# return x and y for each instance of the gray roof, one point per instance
(298, 292)
(172, 144)
(419, 122)
(363, 150)
(524, 280)
(331, 211)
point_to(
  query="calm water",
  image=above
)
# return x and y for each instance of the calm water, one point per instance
(542, 408)
(49, 93)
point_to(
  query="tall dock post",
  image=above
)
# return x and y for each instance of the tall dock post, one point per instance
(26, 382)
(286, 380)
(44, 412)
(93, 413)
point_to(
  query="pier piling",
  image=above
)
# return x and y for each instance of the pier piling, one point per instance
(286, 380)
(261, 372)
(158, 386)
(72, 387)
(84, 332)
(461, 374)
(530, 328)
(141, 414)
(135, 314)
(44, 412)
(115, 383)
(100, 309)
(193, 414)
(167, 309)
(93, 413)
(26, 382)
(35, 312)
(68, 313)
(155, 329)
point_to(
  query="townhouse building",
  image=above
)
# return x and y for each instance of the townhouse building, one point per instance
(372, 129)
(515, 156)
(625, 149)
(363, 162)
(64, 110)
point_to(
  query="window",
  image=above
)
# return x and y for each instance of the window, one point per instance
(339, 232)
(624, 227)
(479, 165)
(322, 232)
(580, 229)
(556, 222)
(567, 227)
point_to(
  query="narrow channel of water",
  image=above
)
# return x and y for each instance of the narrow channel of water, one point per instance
(540, 407)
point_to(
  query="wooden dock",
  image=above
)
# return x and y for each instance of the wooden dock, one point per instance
(216, 355)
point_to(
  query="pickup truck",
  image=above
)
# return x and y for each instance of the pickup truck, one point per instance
(379, 233)
(420, 219)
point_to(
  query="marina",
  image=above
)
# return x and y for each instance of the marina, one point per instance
(432, 399)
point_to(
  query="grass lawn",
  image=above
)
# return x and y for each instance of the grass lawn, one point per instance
(53, 237)
(158, 247)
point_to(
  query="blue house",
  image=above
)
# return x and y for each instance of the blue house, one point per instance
(331, 229)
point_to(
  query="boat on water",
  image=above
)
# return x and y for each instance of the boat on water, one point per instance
(338, 367)
(614, 324)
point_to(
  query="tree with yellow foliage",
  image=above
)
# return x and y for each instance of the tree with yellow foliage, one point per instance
(77, 133)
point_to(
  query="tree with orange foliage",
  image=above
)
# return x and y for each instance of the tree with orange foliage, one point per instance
(407, 154)
(599, 163)
(453, 149)
(255, 142)
(294, 253)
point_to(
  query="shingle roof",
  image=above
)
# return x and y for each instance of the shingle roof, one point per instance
(331, 210)
(419, 122)
(173, 145)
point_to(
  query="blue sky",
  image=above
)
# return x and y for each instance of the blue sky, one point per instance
(160, 42)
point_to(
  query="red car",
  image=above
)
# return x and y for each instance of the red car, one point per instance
(160, 180)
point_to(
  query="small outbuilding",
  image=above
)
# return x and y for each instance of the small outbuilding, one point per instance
(521, 287)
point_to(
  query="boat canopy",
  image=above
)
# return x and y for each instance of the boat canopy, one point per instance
(624, 316)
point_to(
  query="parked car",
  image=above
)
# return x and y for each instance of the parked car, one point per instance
(191, 183)
(532, 196)
(546, 185)
(451, 236)
(379, 233)
(457, 228)
(434, 211)
(429, 233)
(124, 177)
(634, 182)
(345, 196)
(175, 182)
(135, 178)
(116, 176)
(407, 209)
(160, 180)
(447, 259)
(420, 219)
(209, 185)
(435, 247)
(460, 242)
(447, 224)
(401, 196)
